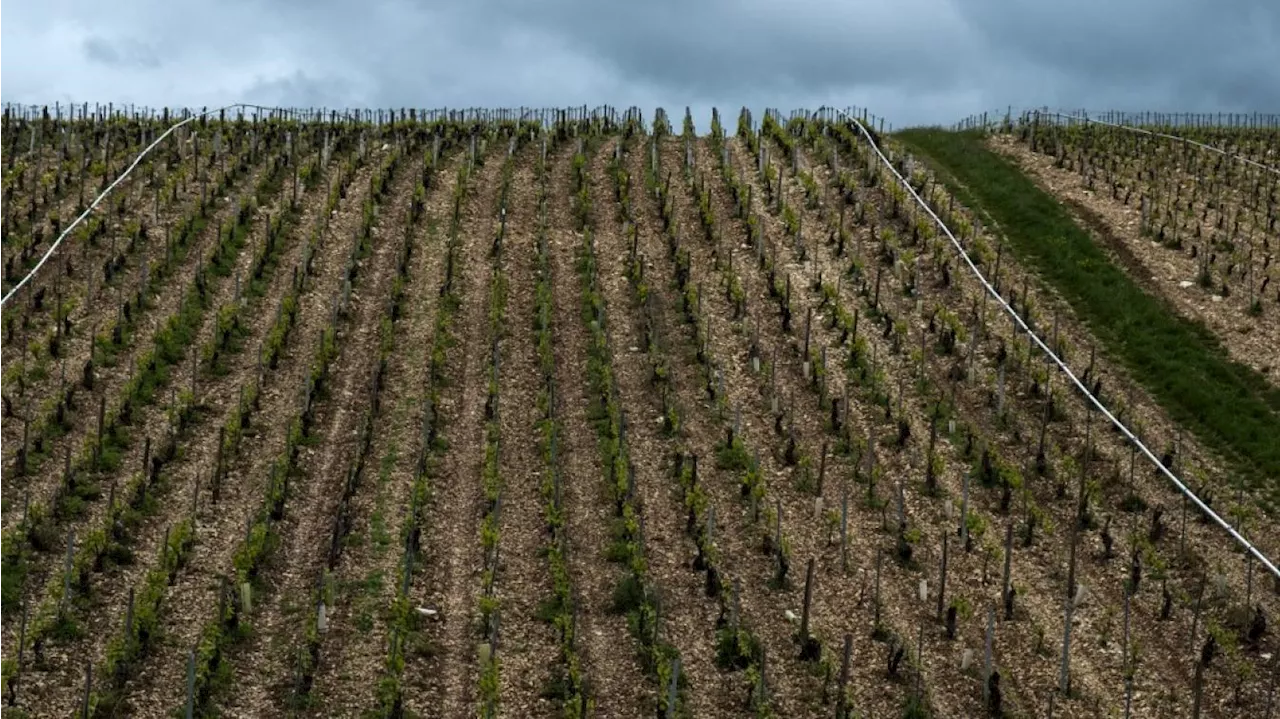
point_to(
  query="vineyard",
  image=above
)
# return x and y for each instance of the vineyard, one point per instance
(578, 413)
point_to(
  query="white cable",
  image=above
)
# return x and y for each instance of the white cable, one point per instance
(49, 253)
(1063, 366)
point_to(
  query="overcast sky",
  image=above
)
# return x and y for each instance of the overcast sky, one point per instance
(912, 61)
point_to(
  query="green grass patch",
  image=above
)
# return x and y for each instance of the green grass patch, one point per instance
(1230, 407)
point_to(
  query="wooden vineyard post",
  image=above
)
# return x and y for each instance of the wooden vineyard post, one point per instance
(1248, 592)
(1124, 646)
(88, 688)
(191, 684)
(871, 467)
(822, 389)
(102, 411)
(876, 603)
(1000, 392)
(924, 353)
(1195, 615)
(1006, 592)
(973, 348)
(930, 479)
(780, 577)
(217, 468)
(734, 602)
(920, 658)
(841, 700)
(21, 468)
(809, 647)
(1042, 462)
(66, 572)
(1064, 678)
(986, 666)
(1073, 539)
(755, 502)
(844, 530)
(808, 324)
(128, 622)
(942, 578)
(1182, 531)
(1197, 689)
(672, 687)
(902, 508)
(761, 694)
(1082, 498)
(1271, 691)
(713, 577)
(773, 384)
(22, 640)
(902, 379)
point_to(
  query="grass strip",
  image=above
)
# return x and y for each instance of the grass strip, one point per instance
(1229, 406)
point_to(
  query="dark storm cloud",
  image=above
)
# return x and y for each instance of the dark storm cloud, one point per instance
(913, 61)
(729, 49)
(1170, 55)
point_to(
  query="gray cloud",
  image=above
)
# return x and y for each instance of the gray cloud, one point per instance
(913, 61)
(1176, 55)
(300, 90)
(729, 49)
(124, 53)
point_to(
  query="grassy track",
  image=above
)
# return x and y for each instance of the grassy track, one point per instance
(1231, 407)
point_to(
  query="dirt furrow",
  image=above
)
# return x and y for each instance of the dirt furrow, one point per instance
(355, 647)
(221, 529)
(417, 686)
(689, 616)
(528, 645)
(452, 547)
(265, 671)
(616, 683)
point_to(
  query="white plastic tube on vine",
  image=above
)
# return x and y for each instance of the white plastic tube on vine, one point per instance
(1182, 487)
(102, 195)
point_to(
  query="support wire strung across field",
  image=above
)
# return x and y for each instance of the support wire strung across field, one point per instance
(1182, 487)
